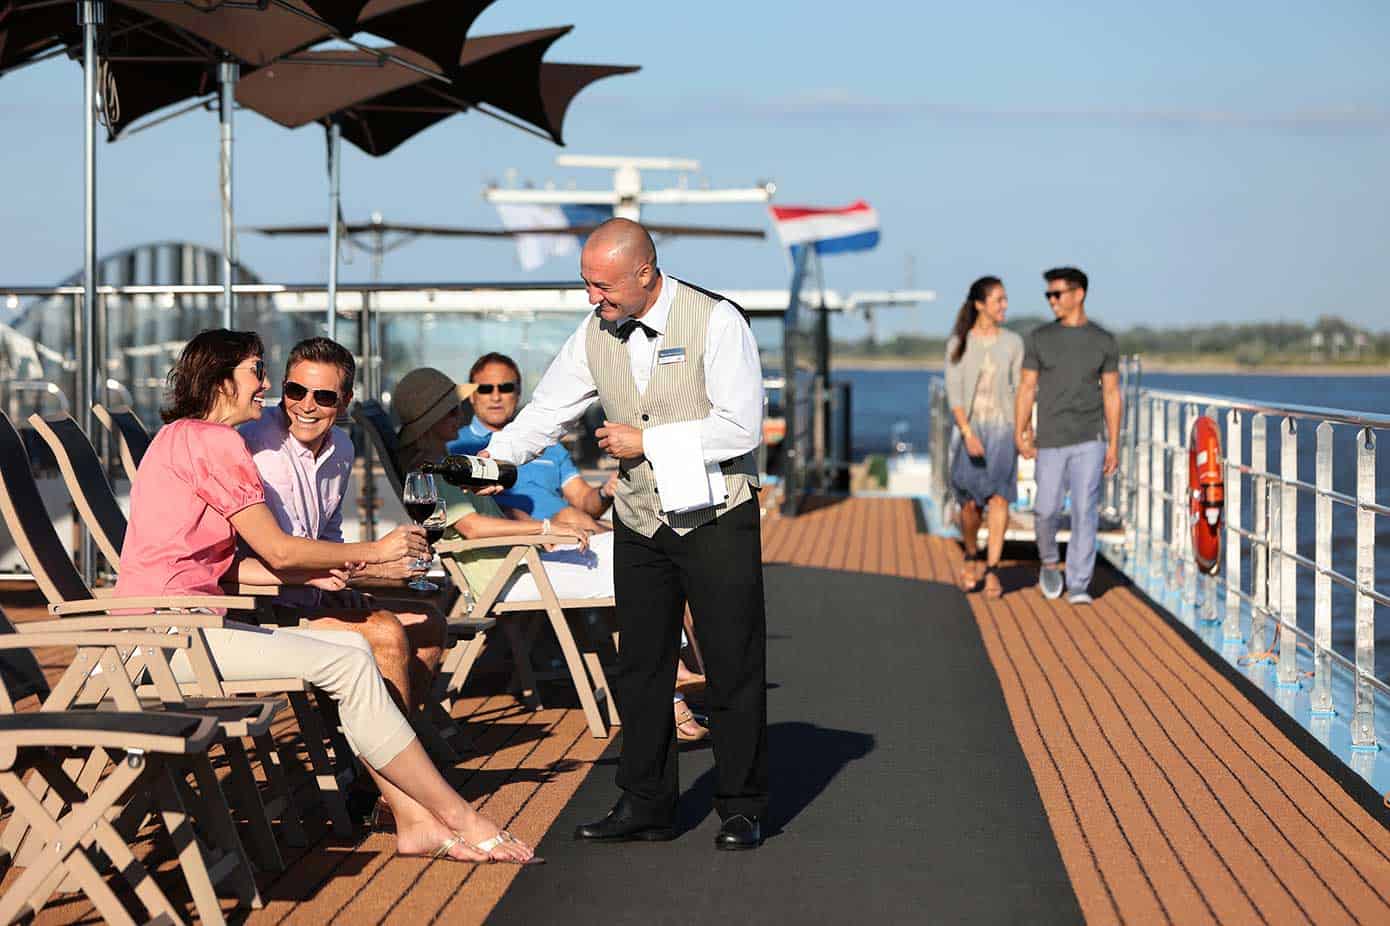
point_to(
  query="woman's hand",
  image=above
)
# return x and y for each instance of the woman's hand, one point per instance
(974, 446)
(406, 540)
(335, 581)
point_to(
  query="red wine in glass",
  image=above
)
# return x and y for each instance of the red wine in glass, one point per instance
(419, 511)
(433, 533)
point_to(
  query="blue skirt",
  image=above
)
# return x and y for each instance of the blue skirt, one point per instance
(996, 473)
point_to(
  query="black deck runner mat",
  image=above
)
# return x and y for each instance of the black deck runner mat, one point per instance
(899, 793)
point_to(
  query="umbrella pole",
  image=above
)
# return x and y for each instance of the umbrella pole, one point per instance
(227, 73)
(335, 150)
(91, 13)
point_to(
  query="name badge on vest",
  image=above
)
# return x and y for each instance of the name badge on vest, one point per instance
(670, 355)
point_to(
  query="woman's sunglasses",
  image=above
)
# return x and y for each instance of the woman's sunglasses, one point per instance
(296, 392)
(257, 369)
(504, 388)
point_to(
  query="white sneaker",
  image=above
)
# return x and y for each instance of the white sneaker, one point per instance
(1079, 598)
(1052, 582)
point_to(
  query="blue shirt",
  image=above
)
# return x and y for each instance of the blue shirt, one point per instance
(538, 483)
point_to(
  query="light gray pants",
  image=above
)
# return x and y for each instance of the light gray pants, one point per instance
(1076, 469)
(337, 661)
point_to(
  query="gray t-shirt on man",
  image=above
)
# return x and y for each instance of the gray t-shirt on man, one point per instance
(1069, 361)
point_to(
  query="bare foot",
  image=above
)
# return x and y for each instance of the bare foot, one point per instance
(970, 572)
(477, 829)
(688, 729)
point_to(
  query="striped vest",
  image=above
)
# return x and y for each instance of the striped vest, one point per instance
(675, 393)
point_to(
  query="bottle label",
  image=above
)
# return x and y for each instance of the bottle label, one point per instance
(483, 468)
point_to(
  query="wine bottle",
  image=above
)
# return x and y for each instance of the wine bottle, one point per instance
(470, 472)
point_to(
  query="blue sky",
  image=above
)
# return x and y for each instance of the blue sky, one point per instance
(1203, 162)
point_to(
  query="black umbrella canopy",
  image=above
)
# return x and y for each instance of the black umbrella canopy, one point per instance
(380, 107)
(341, 15)
(28, 29)
(437, 29)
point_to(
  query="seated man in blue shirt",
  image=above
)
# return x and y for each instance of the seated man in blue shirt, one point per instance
(550, 486)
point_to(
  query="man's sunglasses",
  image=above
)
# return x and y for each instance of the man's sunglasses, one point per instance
(1051, 294)
(504, 388)
(296, 392)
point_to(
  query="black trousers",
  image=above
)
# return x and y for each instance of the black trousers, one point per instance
(718, 569)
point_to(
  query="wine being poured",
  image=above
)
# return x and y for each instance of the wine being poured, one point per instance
(470, 472)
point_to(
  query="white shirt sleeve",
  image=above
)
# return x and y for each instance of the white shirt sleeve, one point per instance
(564, 393)
(734, 386)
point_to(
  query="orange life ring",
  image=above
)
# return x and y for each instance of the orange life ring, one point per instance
(1206, 493)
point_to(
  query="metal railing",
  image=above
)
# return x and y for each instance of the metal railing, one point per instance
(1259, 605)
(1299, 542)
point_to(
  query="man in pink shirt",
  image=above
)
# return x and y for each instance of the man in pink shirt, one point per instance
(305, 463)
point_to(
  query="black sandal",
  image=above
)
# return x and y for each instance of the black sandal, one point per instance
(992, 572)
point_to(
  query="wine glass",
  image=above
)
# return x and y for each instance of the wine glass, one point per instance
(434, 526)
(421, 498)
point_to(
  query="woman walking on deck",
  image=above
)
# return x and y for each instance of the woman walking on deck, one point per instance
(983, 362)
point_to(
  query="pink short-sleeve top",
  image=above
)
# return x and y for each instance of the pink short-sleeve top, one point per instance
(180, 541)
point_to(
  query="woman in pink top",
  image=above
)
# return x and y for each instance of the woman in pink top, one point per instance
(196, 494)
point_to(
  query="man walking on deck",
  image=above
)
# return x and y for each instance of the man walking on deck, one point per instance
(1071, 368)
(677, 371)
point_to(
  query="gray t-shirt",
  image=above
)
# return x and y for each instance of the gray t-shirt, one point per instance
(1069, 362)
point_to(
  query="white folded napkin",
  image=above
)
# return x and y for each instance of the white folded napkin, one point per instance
(684, 481)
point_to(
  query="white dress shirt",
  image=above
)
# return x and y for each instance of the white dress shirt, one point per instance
(733, 384)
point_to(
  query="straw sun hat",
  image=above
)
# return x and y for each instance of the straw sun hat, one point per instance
(422, 398)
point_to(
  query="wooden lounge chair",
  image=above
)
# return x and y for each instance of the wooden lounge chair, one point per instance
(99, 509)
(147, 757)
(129, 433)
(68, 596)
(585, 670)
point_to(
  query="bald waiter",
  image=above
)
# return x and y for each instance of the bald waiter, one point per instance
(677, 372)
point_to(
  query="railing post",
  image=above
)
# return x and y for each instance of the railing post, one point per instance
(1183, 521)
(1157, 554)
(1177, 479)
(1231, 627)
(1287, 526)
(1322, 584)
(1259, 547)
(1139, 473)
(1363, 724)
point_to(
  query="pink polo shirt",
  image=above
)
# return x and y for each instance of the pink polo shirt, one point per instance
(193, 478)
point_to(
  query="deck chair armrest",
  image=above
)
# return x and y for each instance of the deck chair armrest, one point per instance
(153, 603)
(491, 543)
(122, 622)
(156, 732)
(50, 634)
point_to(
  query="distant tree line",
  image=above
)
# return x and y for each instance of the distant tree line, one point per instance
(1328, 340)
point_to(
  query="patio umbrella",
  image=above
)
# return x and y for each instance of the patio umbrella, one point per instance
(385, 106)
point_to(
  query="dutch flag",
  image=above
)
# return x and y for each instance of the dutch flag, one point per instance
(831, 231)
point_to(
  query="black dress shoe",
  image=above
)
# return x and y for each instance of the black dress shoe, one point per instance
(739, 832)
(624, 825)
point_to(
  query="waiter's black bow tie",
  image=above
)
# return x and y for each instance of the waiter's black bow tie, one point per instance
(626, 328)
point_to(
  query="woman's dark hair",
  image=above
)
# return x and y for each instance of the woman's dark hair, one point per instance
(206, 363)
(965, 318)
